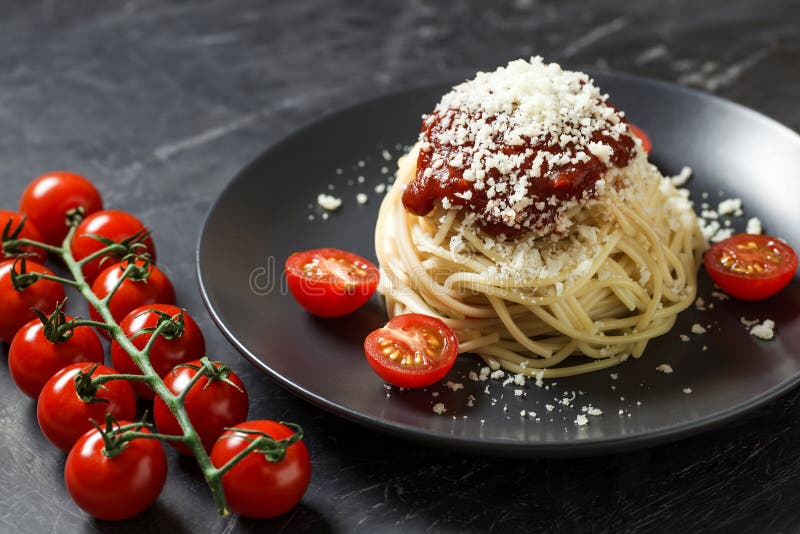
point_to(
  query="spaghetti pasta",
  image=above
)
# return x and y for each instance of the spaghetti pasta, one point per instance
(547, 303)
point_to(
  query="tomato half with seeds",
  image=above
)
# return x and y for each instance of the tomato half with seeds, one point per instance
(412, 350)
(643, 137)
(330, 282)
(751, 267)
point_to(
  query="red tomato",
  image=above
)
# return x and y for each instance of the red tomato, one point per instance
(256, 487)
(412, 350)
(165, 353)
(48, 198)
(33, 359)
(111, 224)
(156, 289)
(751, 267)
(212, 406)
(118, 487)
(643, 137)
(15, 306)
(64, 416)
(330, 282)
(29, 231)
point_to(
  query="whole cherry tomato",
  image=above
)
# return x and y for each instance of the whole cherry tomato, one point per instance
(16, 306)
(257, 487)
(212, 404)
(33, 359)
(111, 224)
(64, 416)
(132, 293)
(28, 231)
(48, 199)
(412, 350)
(330, 282)
(119, 486)
(165, 353)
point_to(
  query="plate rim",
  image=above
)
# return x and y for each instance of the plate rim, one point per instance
(492, 446)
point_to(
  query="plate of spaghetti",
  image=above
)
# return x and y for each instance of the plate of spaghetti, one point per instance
(538, 260)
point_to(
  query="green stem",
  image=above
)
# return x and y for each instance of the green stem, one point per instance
(58, 280)
(255, 444)
(118, 284)
(94, 255)
(192, 441)
(132, 435)
(23, 242)
(102, 379)
(195, 379)
(88, 322)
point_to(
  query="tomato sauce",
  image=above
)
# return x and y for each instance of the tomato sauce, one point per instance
(572, 181)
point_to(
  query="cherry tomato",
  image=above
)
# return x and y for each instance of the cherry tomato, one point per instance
(330, 282)
(643, 137)
(165, 353)
(751, 267)
(29, 231)
(212, 406)
(412, 350)
(155, 289)
(64, 416)
(16, 306)
(256, 487)
(118, 487)
(111, 224)
(48, 198)
(33, 359)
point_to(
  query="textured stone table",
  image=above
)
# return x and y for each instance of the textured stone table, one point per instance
(162, 102)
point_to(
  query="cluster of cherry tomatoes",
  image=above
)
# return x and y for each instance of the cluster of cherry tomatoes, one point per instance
(59, 362)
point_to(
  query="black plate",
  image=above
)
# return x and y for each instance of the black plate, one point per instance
(262, 217)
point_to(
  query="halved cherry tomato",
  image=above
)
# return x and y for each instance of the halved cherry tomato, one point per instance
(112, 224)
(643, 137)
(155, 289)
(33, 359)
(48, 198)
(330, 282)
(29, 231)
(412, 350)
(751, 267)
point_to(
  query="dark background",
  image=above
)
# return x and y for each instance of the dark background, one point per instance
(161, 103)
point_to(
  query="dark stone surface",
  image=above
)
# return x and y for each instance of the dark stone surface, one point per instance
(162, 102)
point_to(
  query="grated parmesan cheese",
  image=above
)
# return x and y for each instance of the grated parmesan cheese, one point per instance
(328, 202)
(698, 329)
(439, 408)
(754, 226)
(664, 368)
(765, 330)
